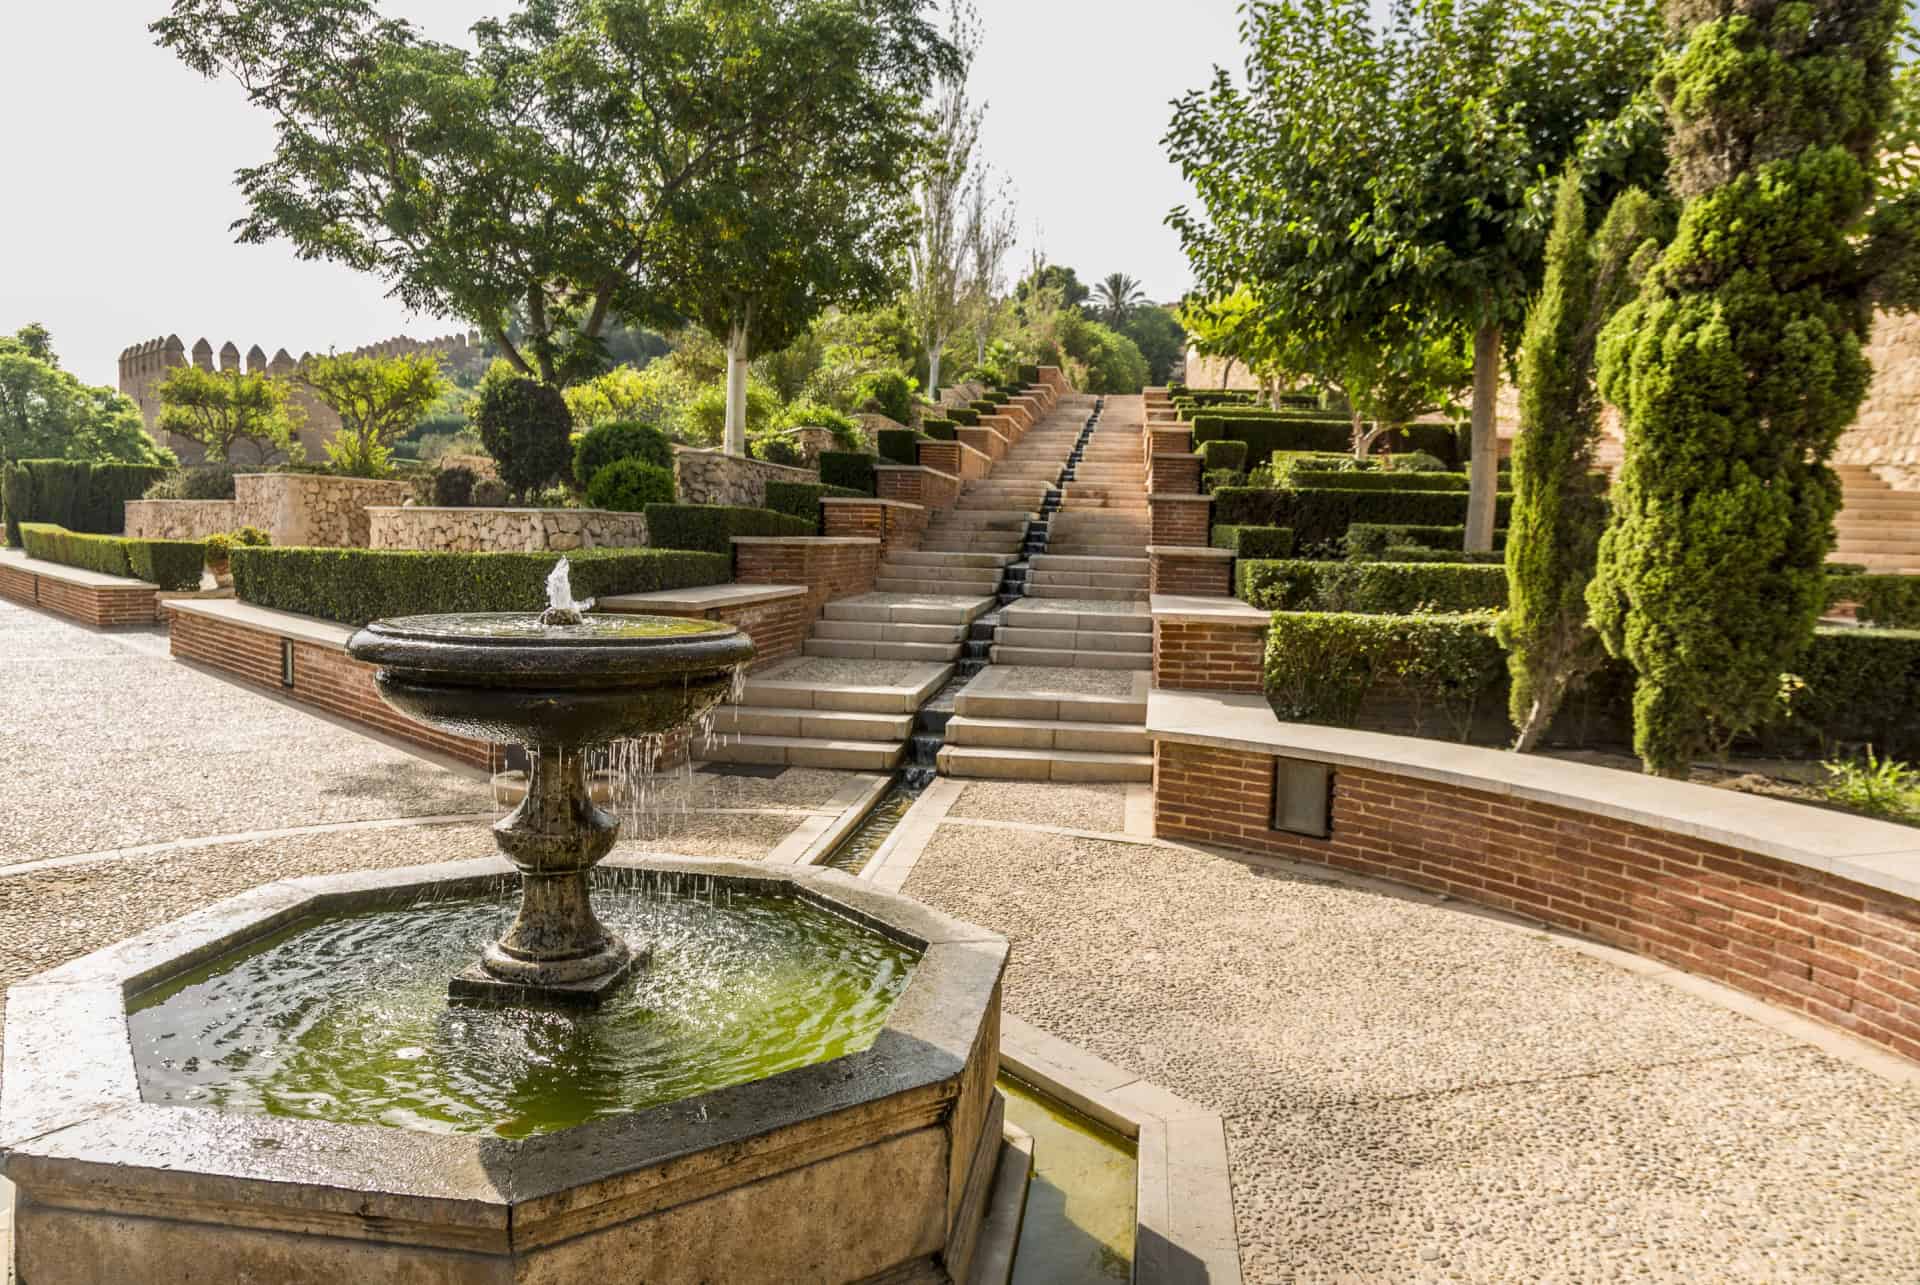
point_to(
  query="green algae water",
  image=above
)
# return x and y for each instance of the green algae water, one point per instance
(1080, 1218)
(347, 1018)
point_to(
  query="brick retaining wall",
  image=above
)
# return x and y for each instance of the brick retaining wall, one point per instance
(829, 567)
(1208, 656)
(897, 525)
(1187, 569)
(1174, 473)
(103, 606)
(1181, 519)
(917, 485)
(1841, 952)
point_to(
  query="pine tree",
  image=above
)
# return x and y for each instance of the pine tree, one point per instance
(1740, 363)
(1558, 510)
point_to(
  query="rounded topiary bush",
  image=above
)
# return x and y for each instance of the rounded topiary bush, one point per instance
(630, 485)
(526, 427)
(453, 487)
(489, 493)
(885, 392)
(626, 439)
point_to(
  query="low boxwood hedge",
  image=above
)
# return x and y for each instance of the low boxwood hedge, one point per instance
(1255, 541)
(1265, 432)
(1892, 602)
(1320, 516)
(1368, 541)
(172, 565)
(1029, 375)
(713, 526)
(943, 430)
(1371, 588)
(1305, 474)
(353, 586)
(899, 446)
(1217, 455)
(802, 499)
(964, 416)
(848, 470)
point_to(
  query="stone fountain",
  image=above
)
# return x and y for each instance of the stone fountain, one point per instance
(169, 1115)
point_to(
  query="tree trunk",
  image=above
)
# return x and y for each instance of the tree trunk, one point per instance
(1226, 372)
(736, 441)
(1484, 479)
(933, 368)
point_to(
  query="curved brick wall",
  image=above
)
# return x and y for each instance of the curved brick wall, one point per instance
(1815, 911)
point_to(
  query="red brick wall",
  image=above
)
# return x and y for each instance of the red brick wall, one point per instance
(777, 628)
(921, 486)
(1209, 656)
(985, 440)
(896, 526)
(1180, 521)
(1837, 951)
(17, 584)
(1005, 425)
(955, 458)
(1170, 572)
(323, 676)
(1171, 441)
(101, 606)
(829, 570)
(1174, 474)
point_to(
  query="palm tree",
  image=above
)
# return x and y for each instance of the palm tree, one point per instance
(1117, 295)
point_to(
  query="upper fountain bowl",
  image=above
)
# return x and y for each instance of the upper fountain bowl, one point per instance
(506, 677)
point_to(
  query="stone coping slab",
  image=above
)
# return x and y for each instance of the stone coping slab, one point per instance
(700, 598)
(913, 468)
(1043, 682)
(74, 1129)
(871, 499)
(807, 539)
(69, 575)
(1190, 551)
(284, 624)
(1178, 497)
(1879, 854)
(1183, 608)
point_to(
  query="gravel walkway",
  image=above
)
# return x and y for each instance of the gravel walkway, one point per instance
(1044, 679)
(1077, 807)
(1414, 1093)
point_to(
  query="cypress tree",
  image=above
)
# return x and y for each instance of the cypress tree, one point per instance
(1558, 505)
(1739, 363)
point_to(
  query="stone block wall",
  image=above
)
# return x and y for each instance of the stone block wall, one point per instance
(1181, 519)
(897, 525)
(1209, 656)
(1837, 951)
(828, 566)
(313, 510)
(714, 477)
(476, 530)
(917, 485)
(180, 519)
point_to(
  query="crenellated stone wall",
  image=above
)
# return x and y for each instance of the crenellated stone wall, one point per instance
(180, 519)
(477, 530)
(714, 477)
(312, 509)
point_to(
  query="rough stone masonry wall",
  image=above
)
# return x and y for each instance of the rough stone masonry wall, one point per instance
(180, 519)
(313, 510)
(323, 676)
(475, 530)
(714, 477)
(1837, 951)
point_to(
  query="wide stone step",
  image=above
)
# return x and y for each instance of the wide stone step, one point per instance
(1008, 545)
(845, 649)
(847, 756)
(1049, 734)
(956, 579)
(887, 631)
(811, 724)
(1063, 562)
(936, 558)
(1080, 615)
(917, 585)
(1042, 639)
(1852, 544)
(862, 686)
(1043, 765)
(910, 608)
(1089, 579)
(1069, 658)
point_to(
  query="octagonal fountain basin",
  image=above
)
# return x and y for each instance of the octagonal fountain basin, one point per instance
(801, 1087)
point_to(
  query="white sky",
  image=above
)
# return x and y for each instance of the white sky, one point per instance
(119, 193)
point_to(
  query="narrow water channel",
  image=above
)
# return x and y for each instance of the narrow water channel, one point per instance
(1081, 1207)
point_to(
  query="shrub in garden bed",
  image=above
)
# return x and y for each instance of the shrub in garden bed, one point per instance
(353, 586)
(1270, 431)
(602, 444)
(1370, 539)
(941, 430)
(900, 445)
(78, 495)
(1890, 601)
(1212, 480)
(965, 416)
(1217, 455)
(1372, 588)
(1321, 515)
(453, 487)
(1321, 667)
(848, 470)
(629, 485)
(1255, 541)
(1376, 479)
(802, 499)
(713, 526)
(170, 564)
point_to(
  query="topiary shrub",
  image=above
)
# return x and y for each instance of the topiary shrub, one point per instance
(1372, 588)
(173, 565)
(1307, 473)
(1255, 541)
(621, 439)
(849, 470)
(941, 430)
(630, 485)
(713, 526)
(1320, 668)
(899, 446)
(526, 427)
(16, 500)
(964, 416)
(354, 586)
(1413, 462)
(776, 448)
(201, 482)
(1222, 455)
(490, 493)
(453, 487)
(1029, 375)
(1216, 479)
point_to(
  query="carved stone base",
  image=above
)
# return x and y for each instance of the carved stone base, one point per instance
(475, 985)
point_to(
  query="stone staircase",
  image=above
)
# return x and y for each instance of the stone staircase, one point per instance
(1050, 724)
(1877, 526)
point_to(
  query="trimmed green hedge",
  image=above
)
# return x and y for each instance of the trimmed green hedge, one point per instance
(1376, 479)
(713, 526)
(849, 470)
(965, 416)
(1270, 431)
(1217, 455)
(169, 564)
(1371, 588)
(899, 446)
(1368, 540)
(80, 496)
(1255, 541)
(941, 430)
(1892, 602)
(354, 586)
(1320, 516)
(802, 499)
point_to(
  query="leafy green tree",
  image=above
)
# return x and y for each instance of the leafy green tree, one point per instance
(1068, 291)
(938, 253)
(1116, 297)
(47, 413)
(1553, 536)
(526, 427)
(221, 409)
(1412, 371)
(1371, 171)
(989, 237)
(378, 400)
(1160, 339)
(543, 174)
(1739, 363)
